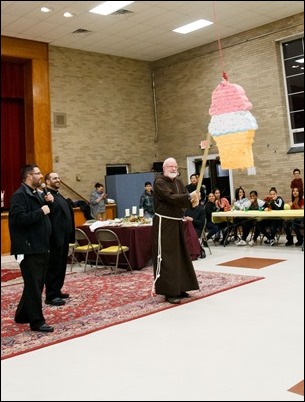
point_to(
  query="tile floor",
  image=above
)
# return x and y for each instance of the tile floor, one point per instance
(245, 344)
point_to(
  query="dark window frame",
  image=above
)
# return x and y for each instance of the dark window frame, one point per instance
(292, 53)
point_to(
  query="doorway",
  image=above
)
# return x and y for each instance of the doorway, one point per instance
(214, 175)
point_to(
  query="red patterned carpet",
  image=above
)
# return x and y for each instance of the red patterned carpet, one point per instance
(97, 302)
(10, 274)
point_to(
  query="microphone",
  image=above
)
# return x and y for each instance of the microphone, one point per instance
(44, 188)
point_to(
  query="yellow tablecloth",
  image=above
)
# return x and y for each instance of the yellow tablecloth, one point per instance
(259, 215)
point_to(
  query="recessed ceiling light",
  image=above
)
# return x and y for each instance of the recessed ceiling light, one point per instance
(46, 9)
(109, 7)
(193, 26)
(68, 15)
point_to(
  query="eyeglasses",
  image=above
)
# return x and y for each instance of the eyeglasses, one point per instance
(171, 166)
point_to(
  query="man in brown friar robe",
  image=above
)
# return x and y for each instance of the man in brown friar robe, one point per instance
(174, 273)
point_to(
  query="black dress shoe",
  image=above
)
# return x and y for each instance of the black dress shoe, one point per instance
(56, 302)
(42, 328)
(64, 295)
(183, 295)
(21, 321)
(173, 300)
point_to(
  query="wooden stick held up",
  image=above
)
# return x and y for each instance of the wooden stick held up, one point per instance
(204, 161)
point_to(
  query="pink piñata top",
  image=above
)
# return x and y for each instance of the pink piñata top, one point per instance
(228, 97)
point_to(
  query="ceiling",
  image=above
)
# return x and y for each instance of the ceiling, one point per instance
(144, 31)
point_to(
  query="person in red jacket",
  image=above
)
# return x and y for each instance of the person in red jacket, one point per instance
(297, 182)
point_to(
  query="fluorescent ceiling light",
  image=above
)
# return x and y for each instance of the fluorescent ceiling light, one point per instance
(110, 7)
(67, 14)
(193, 26)
(46, 9)
(300, 60)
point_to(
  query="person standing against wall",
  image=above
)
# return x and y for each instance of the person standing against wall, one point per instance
(146, 200)
(174, 273)
(98, 200)
(30, 230)
(297, 181)
(63, 233)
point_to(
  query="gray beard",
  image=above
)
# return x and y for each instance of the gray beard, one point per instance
(172, 175)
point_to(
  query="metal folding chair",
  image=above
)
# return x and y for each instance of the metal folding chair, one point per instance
(83, 246)
(203, 238)
(110, 245)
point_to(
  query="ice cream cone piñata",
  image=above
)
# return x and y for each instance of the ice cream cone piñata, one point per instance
(232, 126)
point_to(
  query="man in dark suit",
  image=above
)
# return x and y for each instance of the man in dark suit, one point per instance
(193, 187)
(63, 233)
(30, 231)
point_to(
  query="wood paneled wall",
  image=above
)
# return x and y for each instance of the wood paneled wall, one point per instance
(37, 97)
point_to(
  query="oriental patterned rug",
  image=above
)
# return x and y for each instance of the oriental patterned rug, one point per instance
(8, 275)
(97, 302)
(10, 272)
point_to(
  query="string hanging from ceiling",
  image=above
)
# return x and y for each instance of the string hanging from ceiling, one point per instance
(232, 125)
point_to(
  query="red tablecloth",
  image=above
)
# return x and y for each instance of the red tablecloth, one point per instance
(139, 240)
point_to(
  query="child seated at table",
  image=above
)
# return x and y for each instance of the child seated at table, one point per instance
(270, 227)
(239, 204)
(252, 204)
(297, 225)
(214, 228)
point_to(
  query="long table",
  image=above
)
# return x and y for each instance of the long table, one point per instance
(139, 239)
(229, 216)
(258, 215)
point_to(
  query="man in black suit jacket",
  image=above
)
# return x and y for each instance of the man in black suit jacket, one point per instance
(193, 187)
(63, 233)
(30, 231)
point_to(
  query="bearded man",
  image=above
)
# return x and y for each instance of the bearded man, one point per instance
(174, 273)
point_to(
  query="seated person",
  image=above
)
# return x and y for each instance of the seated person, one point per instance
(221, 202)
(98, 200)
(240, 201)
(196, 214)
(275, 202)
(253, 204)
(238, 205)
(193, 187)
(147, 201)
(297, 202)
(214, 228)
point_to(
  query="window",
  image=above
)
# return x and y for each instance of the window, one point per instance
(117, 169)
(293, 61)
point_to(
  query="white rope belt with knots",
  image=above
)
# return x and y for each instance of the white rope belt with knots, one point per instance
(159, 256)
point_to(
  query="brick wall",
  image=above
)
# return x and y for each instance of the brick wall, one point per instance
(110, 108)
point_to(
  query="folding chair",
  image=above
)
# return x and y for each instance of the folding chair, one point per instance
(110, 245)
(83, 246)
(203, 241)
(72, 256)
(277, 236)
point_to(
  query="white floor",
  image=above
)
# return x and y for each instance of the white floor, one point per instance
(245, 344)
